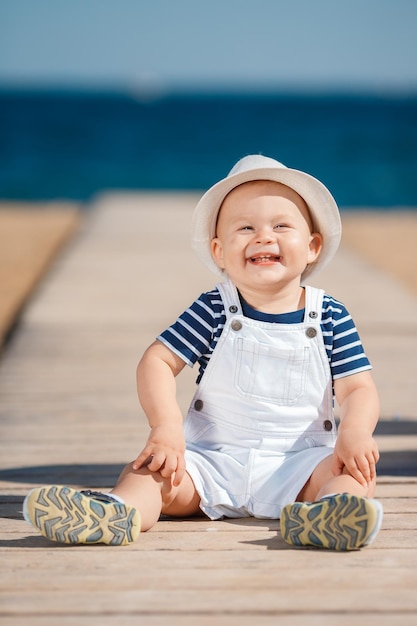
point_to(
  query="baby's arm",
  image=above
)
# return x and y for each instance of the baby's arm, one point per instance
(356, 449)
(164, 450)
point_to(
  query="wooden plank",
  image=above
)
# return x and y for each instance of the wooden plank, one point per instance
(197, 570)
(210, 602)
(37, 553)
(198, 619)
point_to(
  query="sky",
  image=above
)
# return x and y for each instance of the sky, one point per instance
(210, 44)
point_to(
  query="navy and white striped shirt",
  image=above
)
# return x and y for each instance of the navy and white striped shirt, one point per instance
(196, 332)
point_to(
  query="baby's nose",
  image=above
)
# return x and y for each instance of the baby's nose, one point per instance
(264, 236)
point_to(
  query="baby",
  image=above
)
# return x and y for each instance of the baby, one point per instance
(260, 437)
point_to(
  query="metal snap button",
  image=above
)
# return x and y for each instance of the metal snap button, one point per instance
(233, 308)
(313, 314)
(311, 332)
(236, 325)
(327, 425)
(198, 405)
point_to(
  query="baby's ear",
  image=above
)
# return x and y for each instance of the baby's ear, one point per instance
(314, 247)
(217, 252)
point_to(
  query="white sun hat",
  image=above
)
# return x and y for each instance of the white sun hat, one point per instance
(322, 206)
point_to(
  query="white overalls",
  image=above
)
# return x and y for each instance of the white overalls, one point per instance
(262, 417)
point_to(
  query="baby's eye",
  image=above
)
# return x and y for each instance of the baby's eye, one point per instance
(247, 227)
(280, 226)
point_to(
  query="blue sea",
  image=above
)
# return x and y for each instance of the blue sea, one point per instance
(69, 144)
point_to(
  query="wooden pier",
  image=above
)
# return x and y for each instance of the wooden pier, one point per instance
(69, 415)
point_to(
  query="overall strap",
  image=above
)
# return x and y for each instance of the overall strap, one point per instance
(314, 304)
(230, 298)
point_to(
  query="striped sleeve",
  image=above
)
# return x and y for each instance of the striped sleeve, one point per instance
(341, 339)
(195, 333)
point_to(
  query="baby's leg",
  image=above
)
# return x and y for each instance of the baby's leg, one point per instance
(322, 482)
(151, 495)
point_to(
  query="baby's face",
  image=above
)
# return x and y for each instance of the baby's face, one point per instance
(264, 236)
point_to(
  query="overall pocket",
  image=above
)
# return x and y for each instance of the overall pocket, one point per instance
(271, 373)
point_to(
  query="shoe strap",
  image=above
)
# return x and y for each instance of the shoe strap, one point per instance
(97, 495)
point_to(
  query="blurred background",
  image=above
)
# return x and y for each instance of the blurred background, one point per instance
(153, 94)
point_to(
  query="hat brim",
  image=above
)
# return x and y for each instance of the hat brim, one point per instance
(322, 206)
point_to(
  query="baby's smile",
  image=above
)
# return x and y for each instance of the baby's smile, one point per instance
(264, 259)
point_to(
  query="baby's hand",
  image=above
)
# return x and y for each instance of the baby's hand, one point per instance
(358, 453)
(164, 452)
